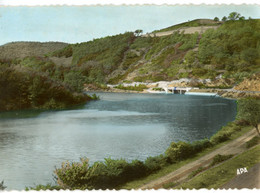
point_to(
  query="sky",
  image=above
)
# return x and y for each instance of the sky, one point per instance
(75, 24)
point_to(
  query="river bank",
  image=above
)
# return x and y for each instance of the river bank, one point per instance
(160, 88)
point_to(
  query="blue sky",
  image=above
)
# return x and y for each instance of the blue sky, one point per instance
(74, 24)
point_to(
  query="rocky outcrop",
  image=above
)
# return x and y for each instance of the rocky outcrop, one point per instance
(250, 84)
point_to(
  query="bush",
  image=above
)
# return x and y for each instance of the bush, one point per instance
(71, 175)
(225, 133)
(101, 175)
(179, 151)
(155, 163)
(140, 87)
(220, 158)
(241, 122)
(252, 142)
(220, 137)
(200, 145)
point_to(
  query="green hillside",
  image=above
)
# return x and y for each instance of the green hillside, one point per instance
(232, 51)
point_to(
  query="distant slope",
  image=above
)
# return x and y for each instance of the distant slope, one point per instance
(225, 55)
(193, 23)
(23, 49)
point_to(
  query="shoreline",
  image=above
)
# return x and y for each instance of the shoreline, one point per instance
(224, 93)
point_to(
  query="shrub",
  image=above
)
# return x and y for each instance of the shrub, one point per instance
(200, 145)
(252, 142)
(72, 175)
(179, 151)
(220, 137)
(220, 158)
(241, 122)
(138, 169)
(155, 163)
(140, 87)
(95, 97)
(101, 175)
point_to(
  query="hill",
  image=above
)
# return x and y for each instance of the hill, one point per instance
(23, 49)
(193, 23)
(222, 57)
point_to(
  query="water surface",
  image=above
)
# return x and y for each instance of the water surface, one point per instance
(129, 126)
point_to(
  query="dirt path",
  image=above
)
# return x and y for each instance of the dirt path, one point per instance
(234, 147)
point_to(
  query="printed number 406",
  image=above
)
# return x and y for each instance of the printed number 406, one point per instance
(241, 171)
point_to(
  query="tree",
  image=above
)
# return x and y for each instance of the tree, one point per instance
(138, 32)
(250, 55)
(224, 18)
(216, 19)
(234, 16)
(242, 18)
(249, 110)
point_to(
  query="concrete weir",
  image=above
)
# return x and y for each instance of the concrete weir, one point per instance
(176, 90)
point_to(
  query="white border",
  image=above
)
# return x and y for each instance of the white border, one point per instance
(121, 2)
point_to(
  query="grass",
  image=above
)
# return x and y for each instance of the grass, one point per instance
(220, 158)
(218, 176)
(194, 173)
(252, 142)
(168, 169)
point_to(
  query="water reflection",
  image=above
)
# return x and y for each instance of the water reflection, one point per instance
(130, 126)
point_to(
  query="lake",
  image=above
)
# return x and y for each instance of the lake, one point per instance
(120, 125)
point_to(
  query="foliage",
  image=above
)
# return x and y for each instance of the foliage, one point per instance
(233, 44)
(189, 41)
(75, 79)
(249, 110)
(179, 151)
(101, 175)
(190, 57)
(252, 142)
(220, 158)
(140, 87)
(101, 56)
(155, 163)
(234, 16)
(224, 18)
(216, 177)
(114, 173)
(29, 89)
(225, 133)
(216, 19)
(66, 52)
(2, 187)
(138, 32)
(43, 187)
(195, 172)
(95, 97)
(200, 145)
